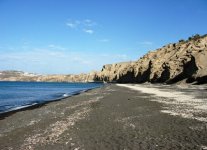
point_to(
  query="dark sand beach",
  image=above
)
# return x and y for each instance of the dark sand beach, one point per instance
(110, 117)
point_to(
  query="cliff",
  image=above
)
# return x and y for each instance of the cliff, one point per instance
(184, 61)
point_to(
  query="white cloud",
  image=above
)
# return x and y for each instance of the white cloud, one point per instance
(122, 56)
(104, 40)
(89, 23)
(71, 25)
(115, 57)
(81, 60)
(51, 46)
(56, 47)
(146, 43)
(82, 25)
(89, 31)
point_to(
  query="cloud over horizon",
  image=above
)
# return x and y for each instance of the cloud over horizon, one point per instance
(55, 59)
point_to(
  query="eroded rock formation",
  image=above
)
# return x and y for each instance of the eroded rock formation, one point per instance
(182, 61)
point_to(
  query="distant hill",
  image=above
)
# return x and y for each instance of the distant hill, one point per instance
(24, 76)
(12, 75)
(184, 61)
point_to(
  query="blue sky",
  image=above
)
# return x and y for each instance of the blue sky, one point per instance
(74, 36)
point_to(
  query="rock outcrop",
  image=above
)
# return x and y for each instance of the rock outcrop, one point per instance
(184, 61)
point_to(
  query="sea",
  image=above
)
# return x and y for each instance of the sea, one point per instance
(19, 95)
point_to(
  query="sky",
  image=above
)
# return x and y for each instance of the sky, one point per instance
(78, 36)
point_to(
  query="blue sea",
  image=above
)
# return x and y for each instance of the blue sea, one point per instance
(18, 95)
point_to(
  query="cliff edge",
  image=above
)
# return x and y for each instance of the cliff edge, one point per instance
(184, 61)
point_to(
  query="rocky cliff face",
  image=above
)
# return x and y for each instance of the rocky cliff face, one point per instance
(182, 61)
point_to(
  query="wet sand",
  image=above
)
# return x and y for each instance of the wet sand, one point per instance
(110, 117)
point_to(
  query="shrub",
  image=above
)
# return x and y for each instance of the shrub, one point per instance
(181, 41)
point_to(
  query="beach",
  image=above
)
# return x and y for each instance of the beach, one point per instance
(113, 117)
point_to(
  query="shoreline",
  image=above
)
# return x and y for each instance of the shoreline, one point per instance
(5, 114)
(109, 117)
